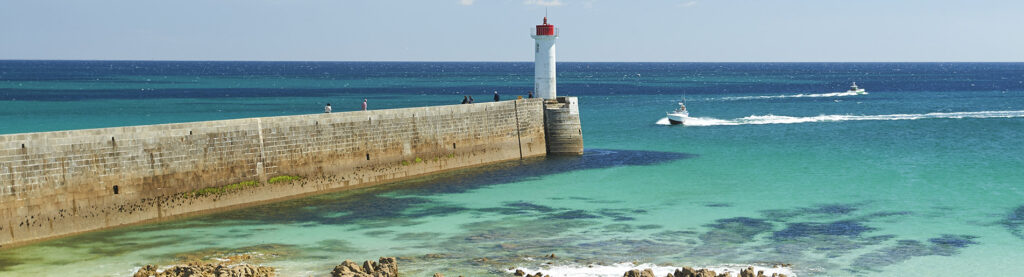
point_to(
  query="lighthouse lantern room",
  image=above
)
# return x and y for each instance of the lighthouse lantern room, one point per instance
(544, 60)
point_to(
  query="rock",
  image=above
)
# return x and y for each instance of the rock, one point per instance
(749, 272)
(346, 268)
(146, 271)
(519, 272)
(690, 272)
(185, 271)
(438, 274)
(552, 256)
(390, 266)
(208, 270)
(638, 273)
(243, 271)
(386, 267)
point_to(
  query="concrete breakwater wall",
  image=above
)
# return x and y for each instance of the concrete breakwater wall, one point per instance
(562, 128)
(59, 183)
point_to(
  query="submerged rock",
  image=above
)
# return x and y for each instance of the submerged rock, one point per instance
(207, 270)
(385, 267)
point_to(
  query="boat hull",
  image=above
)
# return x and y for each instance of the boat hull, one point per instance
(675, 119)
(857, 91)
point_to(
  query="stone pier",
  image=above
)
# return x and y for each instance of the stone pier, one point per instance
(60, 183)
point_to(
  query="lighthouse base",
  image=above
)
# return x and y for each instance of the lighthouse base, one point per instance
(562, 129)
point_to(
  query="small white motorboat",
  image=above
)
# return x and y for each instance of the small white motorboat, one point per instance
(856, 90)
(678, 116)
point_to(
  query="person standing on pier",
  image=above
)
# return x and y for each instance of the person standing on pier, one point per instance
(364, 104)
(327, 109)
(529, 94)
(465, 99)
(471, 99)
(496, 97)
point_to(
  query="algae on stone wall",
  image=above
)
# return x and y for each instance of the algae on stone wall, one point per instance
(283, 178)
(238, 186)
(222, 189)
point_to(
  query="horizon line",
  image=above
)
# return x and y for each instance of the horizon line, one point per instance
(480, 61)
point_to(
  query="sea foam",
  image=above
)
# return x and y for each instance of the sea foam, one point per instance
(616, 270)
(802, 95)
(781, 119)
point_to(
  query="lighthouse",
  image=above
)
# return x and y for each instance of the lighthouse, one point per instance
(544, 60)
(563, 134)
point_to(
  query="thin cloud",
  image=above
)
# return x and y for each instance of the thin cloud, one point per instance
(466, 2)
(687, 4)
(546, 3)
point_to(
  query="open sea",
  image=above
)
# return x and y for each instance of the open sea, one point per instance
(923, 176)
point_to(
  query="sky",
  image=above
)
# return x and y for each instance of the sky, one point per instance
(498, 30)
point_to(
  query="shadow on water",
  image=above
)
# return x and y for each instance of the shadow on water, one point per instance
(1014, 222)
(405, 203)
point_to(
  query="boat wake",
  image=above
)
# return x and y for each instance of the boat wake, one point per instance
(741, 98)
(779, 119)
(617, 270)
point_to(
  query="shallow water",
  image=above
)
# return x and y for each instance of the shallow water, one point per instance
(921, 175)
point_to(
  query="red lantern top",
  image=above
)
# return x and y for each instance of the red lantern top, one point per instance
(546, 29)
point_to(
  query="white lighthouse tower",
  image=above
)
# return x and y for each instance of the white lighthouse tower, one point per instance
(563, 134)
(544, 60)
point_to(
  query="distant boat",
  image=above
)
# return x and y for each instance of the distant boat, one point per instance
(856, 90)
(678, 116)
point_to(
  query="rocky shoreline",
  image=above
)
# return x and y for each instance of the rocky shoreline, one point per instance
(388, 267)
(385, 267)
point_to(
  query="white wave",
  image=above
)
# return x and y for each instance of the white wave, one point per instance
(831, 94)
(616, 270)
(780, 119)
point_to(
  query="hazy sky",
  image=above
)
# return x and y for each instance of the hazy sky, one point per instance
(498, 30)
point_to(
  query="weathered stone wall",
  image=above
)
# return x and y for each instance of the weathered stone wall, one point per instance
(562, 126)
(59, 183)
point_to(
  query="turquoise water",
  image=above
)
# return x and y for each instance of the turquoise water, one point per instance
(921, 176)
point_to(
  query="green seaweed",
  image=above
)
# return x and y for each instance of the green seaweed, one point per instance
(222, 189)
(418, 160)
(283, 178)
